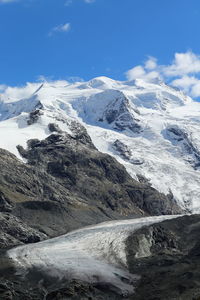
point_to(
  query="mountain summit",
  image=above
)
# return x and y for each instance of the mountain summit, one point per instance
(151, 128)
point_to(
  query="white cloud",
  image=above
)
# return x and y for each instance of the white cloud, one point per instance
(189, 84)
(3, 87)
(17, 93)
(195, 90)
(185, 82)
(151, 63)
(136, 72)
(183, 64)
(60, 28)
(142, 73)
(183, 72)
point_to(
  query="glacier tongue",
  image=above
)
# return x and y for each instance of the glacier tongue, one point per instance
(155, 125)
(92, 254)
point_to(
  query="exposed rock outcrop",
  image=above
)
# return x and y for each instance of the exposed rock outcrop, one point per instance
(122, 115)
(34, 116)
(67, 183)
(166, 255)
(14, 231)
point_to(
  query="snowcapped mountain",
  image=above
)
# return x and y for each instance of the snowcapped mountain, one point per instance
(151, 128)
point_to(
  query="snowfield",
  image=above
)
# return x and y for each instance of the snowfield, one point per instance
(151, 128)
(93, 254)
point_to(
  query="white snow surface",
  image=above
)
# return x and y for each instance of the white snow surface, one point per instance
(159, 125)
(93, 254)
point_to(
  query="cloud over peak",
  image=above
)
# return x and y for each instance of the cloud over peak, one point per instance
(183, 72)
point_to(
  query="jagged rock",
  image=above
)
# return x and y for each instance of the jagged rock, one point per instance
(54, 128)
(179, 137)
(123, 149)
(126, 153)
(5, 205)
(80, 133)
(166, 255)
(21, 150)
(19, 291)
(13, 232)
(34, 116)
(82, 290)
(32, 143)
(74, 290)
(118, 113)
(121, 106)
(67, 183)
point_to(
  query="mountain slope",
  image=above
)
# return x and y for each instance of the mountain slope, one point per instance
(65, 184)
(61, 181)
(145, 258)
(95, 254)
(169, 268)
(151, 128)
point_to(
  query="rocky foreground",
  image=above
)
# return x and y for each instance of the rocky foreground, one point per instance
(65, 183)
(163, 259)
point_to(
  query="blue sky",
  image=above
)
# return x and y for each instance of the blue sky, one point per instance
(62, 39)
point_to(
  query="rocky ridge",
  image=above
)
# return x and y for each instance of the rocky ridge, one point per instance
(166, 255)
(143, 117)
(67, 183)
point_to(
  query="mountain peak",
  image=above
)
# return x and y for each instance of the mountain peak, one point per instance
(139, 115)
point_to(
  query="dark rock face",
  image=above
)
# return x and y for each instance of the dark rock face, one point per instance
(122, 149)
(166, 255)
(14, 231)
(17, 291)
(81, 290)
(179, 137)
(118, 113)
(5, 205)
(126, 153)
(34, 116)
(54, 127)
(74, 290)
(67, 184)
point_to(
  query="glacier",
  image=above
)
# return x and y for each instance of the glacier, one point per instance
(93, 254)
(151, 128)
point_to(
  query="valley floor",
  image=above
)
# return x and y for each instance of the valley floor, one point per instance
(96, 255)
